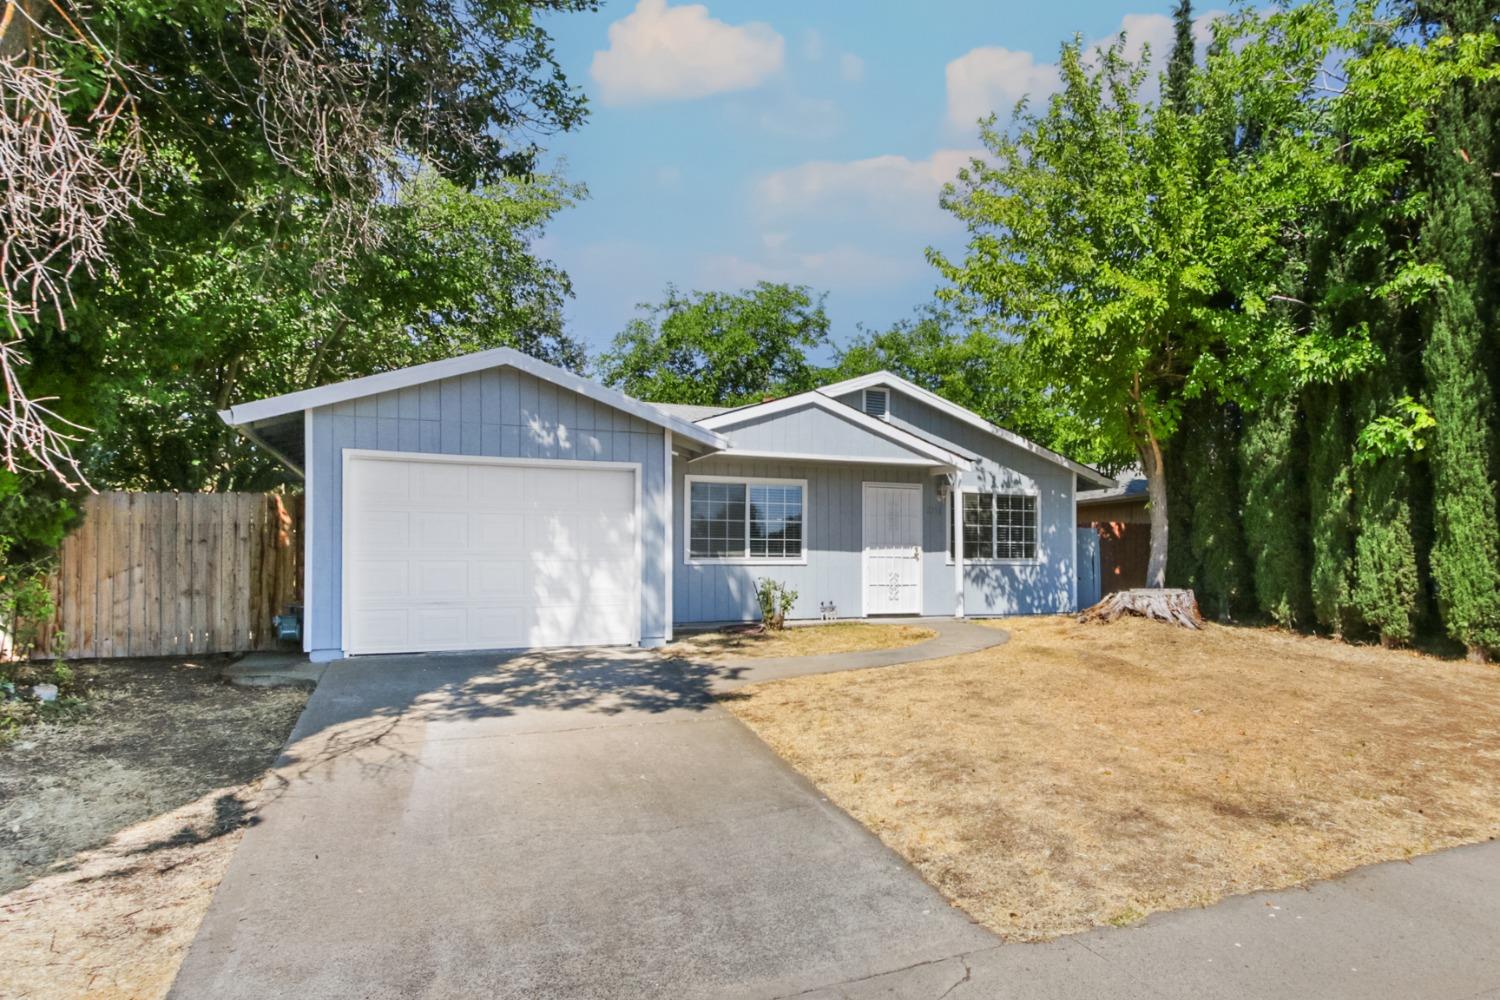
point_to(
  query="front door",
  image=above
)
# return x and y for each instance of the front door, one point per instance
(892, 548)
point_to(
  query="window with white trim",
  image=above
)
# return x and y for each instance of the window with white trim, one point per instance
(745, 519)
(997, 526)
(876, 402)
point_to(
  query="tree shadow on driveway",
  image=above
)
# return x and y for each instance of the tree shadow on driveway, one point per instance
(375, 710)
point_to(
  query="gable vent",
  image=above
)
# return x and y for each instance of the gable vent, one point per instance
(877, 402)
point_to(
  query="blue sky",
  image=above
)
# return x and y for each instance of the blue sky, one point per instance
(789, 141)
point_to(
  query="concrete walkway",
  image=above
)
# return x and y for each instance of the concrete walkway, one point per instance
(590, 824)
(1424, 930)
(954, 638)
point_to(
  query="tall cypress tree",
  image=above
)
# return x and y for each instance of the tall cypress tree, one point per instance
(1460, 233)
(1180, 64)
(1275, 509)
(1387, 581)
(1183, 568)
(1330, 491)
(1209, 433)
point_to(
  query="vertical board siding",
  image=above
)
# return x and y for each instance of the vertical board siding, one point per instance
(170, 574)
(832, 538)
(1043, 586)
(811, 430)
(499, 413)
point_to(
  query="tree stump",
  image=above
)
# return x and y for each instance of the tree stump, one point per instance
(1176, 607)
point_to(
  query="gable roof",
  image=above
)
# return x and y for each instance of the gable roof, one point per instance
(938, 453)
(891, 380)
(499, 357)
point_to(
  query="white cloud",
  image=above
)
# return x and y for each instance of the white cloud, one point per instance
(993, 79)
(851, 67)
(659, 53)
(842, 267)
(891, 190)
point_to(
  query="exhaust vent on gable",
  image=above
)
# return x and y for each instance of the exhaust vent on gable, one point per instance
(876, 402)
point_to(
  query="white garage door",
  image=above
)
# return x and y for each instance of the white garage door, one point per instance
(488, 555)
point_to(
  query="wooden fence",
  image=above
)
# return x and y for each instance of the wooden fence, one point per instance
(163, 574)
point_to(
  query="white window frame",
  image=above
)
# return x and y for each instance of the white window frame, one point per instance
(688, 559)
(992, 560)
(864, 402)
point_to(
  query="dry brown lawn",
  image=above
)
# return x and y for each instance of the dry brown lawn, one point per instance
(800, 640)
(1089, 774)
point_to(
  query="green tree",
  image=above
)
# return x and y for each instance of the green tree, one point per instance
(1330, 491)
(455, 273)
(1461, 234)
(1146, 257)
(1215, 535)
(1132, 254)
(1273, 489)
(1180, 62)
(719, 348)
(261, 122)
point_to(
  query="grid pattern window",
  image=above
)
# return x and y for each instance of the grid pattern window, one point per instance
(998, 526)
(1015, 526)
(776, 522)
(717, 524)
(745, 520)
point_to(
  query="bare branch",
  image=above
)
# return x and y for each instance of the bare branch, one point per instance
(64, 185)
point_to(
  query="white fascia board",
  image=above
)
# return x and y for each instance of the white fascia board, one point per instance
(792, 456)
(433, 371)
(860, 419)
(894, 381)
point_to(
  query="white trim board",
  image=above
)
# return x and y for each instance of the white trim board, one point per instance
(792, 456)
(879, 428)
(668, 583)
(950, 533)
(464, 364)
(891, 380)
(309, 522)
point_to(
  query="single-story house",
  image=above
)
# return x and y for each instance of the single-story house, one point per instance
(492, 501)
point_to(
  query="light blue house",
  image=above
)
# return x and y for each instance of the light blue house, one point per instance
(492, 501)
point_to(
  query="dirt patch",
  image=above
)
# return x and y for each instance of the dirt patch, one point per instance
(156, 734)
(800, 640)
(116, 924)
(1083, 775)
(154, 785)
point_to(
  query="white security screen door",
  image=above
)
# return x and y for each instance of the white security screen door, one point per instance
(892, 549)
(476, 554)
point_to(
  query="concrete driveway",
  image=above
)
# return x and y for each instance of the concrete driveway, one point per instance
(563, 825)
(590, 825)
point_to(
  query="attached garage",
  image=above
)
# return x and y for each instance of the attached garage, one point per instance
(489, 501)
(449, 553)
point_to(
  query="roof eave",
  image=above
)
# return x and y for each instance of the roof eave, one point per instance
(912, 442)
(892, 380)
